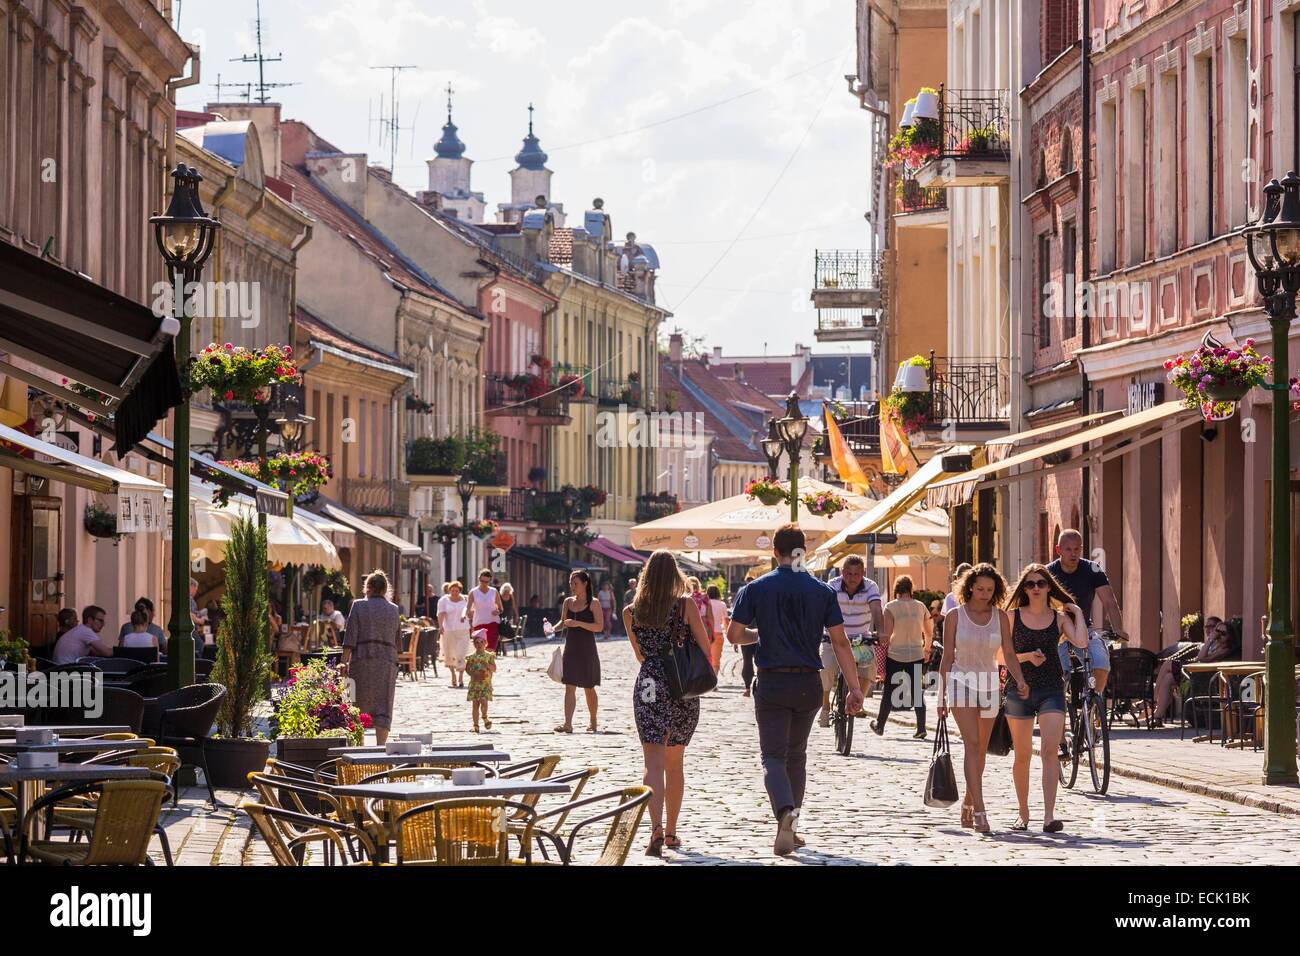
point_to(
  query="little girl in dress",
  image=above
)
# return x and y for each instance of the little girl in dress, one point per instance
(480, 666)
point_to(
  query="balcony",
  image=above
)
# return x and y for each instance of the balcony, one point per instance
(846, 278)
(975, 148)
(615, 392)
(530, 506)
(525, 395)
(387, 497)
(658, 505)
(582, 373)
(970, 392)
(920, 206)
(859, 423)
(847, 325)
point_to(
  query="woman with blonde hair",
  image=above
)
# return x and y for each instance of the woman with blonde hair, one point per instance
(1042, 612)
(453, 630)
(370, 652)
(973, 634)
(663, 615)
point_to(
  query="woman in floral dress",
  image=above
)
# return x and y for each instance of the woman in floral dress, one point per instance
(480, 666)
(662, 614)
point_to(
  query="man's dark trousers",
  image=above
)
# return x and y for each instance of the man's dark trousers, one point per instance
(785, 706)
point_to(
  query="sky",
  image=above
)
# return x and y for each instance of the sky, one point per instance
(723, 134)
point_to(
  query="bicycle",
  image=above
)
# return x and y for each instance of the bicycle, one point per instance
(1087, 731)
(865, 655)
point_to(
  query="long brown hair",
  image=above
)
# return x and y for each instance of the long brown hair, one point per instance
(966, 589)
(658, 588)
(1055, 592)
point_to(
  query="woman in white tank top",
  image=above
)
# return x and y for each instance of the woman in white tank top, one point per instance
(973, 633)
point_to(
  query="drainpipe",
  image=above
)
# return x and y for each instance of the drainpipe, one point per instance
(1085, 233)
(169, 90)
(297, 244)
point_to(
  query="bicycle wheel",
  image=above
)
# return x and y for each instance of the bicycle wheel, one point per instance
(1078, 740)
(843, 719)
(1068, 764)
(1098, 748)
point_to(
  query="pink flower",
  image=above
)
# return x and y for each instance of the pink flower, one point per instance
(229, 347)
(1168, 365)
(229, 395)
(1250, 343)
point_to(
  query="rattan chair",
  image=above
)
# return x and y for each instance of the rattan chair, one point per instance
(410, 656)
(183, 719)
(126, 814)
(273, 822)
(79, 815)
(579, 780)
(624, 819)
(467, 831)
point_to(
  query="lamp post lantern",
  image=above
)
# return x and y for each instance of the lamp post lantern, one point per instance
(568, 503)
(791, 430)
(465, 486)
(184, 235)
(1273, 245)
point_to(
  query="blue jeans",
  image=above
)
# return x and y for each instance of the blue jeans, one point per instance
(1097, 650)
(1041, 700)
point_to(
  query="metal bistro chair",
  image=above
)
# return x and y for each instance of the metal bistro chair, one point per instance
(1248, 707)
(468, 831)
(1201, 704)
(427, 649)
(410, 657)
(624, 819)
(1132, 682)
(182, 719)
(514, 642)
(126, 814)
(579, 780)
(268, 820)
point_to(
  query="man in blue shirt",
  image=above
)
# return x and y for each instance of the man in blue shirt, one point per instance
(785, 612)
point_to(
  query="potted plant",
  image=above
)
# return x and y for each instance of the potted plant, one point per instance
(1215, 377)
(240, 374)
(913, 410)
(99, 522)
(13, 651)
(313, 715)
(416, 404)
(536, 475)
(823, 504)
(1193, 627)
(243, 664)
(766, 491)
(576, 387)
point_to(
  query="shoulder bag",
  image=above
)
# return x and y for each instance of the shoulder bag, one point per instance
(1000, 739)
(687, 669)
(941, 782)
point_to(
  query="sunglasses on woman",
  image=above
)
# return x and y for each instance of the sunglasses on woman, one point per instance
(1035, 584)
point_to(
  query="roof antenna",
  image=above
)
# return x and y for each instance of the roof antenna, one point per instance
(390, 125)
(261, 61)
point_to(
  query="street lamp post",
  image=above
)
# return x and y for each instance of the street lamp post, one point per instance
(184, 235)
(1273, 245)
(791, 430)
(465, 488)
(568, 503)
(772, 447)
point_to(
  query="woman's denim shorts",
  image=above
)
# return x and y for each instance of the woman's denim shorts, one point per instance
(1041, 700)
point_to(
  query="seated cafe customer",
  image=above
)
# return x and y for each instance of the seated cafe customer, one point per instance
(142, 633)
(1222, 643)
(145, 605)
(84, 640)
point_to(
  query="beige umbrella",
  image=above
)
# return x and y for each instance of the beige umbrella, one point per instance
(740, 524)
(922, 533)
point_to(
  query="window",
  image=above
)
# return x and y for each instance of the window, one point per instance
(1044, 290)
(1067, 151)
(1107, 195)
(1236, 96)
(1202, 143)
(1069, 301)
(1135, 176)
(1166, 184)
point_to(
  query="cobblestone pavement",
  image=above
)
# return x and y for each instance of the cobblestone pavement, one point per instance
(864, 809)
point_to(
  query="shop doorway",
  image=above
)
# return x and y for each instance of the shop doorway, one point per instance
(37, 562)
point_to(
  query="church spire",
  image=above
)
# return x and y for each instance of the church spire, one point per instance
(450, 146)
(531, 156)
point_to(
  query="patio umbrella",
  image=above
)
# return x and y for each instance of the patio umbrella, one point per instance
(741, 524)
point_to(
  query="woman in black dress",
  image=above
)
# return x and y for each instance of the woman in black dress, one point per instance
(581, 620)
(661, 614)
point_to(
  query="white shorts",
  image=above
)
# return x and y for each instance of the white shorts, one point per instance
(974, 689)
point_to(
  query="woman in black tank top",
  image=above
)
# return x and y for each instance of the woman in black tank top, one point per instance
(1037, 624)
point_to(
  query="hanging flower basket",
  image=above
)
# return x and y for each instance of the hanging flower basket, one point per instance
(299, 473)
(592, 495)
(768, 492)
(99, 522)
(823, 504)
(482, 529)
(1215, 376)
(576, 387)
(240, 374)
(913, 410)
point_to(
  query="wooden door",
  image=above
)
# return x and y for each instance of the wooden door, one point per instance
(37, 567)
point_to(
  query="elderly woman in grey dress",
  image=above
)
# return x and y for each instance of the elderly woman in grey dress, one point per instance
(370, 652)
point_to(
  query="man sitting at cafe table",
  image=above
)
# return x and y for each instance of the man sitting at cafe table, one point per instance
(84, 640)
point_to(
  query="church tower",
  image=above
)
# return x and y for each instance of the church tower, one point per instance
(449, 174)
(530, 182)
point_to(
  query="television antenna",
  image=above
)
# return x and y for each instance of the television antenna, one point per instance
(247, 87)
(261, 60)
(390, 126)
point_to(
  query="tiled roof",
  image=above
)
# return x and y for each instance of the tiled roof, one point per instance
(735, 411)
(314, 328)
(311, 195)
(561, 250)
(770, 378)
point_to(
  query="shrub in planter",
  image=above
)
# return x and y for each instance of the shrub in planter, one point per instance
(99, 522)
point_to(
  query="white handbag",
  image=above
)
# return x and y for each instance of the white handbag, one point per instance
(556, 670)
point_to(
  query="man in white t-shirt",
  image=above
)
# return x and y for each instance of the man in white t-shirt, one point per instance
(859, 599)
(334, 616)
(84, 640)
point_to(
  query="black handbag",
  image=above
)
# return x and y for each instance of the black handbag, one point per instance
(1000, 738)
(941, 782)
(687, 669)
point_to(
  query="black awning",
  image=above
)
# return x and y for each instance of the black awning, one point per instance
(549, 559)
(69, 324)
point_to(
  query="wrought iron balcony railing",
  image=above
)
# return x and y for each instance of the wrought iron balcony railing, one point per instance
(969, 391)
(650, 507)
(911, 197)
(622, 392)
(526, 394)
(859, 423)
(583, 373)
(525, 505)
(383, 496)
(976, 123)
(848, 321)
(849, 269)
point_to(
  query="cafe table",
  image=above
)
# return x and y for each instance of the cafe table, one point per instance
(425, 759)
(425, 748)
(68, 730)
(81, 745)
(429, 790)
(29, 784)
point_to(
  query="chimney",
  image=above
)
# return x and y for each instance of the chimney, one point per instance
(266, 118)
(343, 174)
(717, 355)
(675, 348)
(739, 372)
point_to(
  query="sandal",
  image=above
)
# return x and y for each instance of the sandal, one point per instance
(564, 729)
(1020, 825)
(671, 841)
(487, 723)
(592, 729)
(982, 822)
(967, 815)
(656, 847)
(1054, 826)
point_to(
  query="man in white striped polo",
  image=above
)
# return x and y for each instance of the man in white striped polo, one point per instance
(859, 599)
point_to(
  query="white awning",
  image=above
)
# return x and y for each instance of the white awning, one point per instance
(139, 499)
(383, 536)
(339, 534)
(288, 541)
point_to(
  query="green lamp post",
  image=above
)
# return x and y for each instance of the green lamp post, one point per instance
(465, 486)
(772, 448)
(791, 430)
(185, 235)
(1273, 244)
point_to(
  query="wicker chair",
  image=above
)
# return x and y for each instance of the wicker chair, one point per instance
(182, 719)
(126, 815)
(469, 831)
(79, 815)
(269, 822)
(624, 819)
(1132, 682)
(579, 779)
(122, 708)
(410, 657)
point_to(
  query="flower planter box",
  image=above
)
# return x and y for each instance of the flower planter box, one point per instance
(307, 751)
(231, 760)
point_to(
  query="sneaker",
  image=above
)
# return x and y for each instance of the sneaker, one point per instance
(785, 838)
(823, 719)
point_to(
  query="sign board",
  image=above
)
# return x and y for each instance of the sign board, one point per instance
(1145, 395)
(878, 538)
(502, 541)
